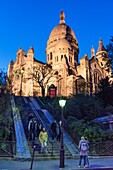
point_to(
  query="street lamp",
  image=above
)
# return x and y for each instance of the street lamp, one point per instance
(62, 104)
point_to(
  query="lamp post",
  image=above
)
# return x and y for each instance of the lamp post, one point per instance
(62, 104)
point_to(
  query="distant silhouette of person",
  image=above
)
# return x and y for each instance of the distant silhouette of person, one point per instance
(30, 116)
(54, 130)
(32, 128)
(39, 127)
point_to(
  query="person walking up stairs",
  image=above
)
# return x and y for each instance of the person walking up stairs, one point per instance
(43, 138)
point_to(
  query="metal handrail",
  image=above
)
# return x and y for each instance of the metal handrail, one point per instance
(67, 126)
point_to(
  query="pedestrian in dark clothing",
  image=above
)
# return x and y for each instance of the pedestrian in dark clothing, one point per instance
(54, 130)
(30, 116)
(39, 127)
(32, 128)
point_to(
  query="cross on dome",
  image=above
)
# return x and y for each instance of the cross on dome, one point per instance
(62, 17)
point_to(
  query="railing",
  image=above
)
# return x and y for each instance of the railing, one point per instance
(69, 130)
(103, 148)
(67, 126)
(42, 105)
(7, 149)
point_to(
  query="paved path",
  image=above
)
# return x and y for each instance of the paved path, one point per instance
(95, 164)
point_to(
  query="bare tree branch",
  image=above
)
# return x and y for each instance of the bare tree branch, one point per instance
(42, 74)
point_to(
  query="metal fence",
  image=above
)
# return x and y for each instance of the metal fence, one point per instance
(7, 149)
(101, 148)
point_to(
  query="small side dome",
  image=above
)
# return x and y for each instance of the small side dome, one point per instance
(101, 47)
(92, 52)
(31, 50)
(20, 51)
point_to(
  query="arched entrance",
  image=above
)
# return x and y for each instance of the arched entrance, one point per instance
(52, 90)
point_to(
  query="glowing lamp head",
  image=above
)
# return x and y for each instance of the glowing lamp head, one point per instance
(62, 103)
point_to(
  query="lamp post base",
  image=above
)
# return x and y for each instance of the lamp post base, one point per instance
(62, 158)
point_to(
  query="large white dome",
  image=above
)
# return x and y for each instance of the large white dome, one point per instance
(60, 30)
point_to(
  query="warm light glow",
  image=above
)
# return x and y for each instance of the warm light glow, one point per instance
(62, 103)
(22, 71)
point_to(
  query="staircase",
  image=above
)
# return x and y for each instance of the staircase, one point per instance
(53, 149)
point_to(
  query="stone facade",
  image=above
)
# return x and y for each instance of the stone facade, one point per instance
(62, 55)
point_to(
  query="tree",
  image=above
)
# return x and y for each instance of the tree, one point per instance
(42, 74)
(87, 107)
(5, 116)
(82, 87)
(105, 93)
(109, 48)
(5, 108)
(3, 76)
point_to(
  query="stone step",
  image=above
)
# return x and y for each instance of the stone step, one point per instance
(53, 151)
(39, 158)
